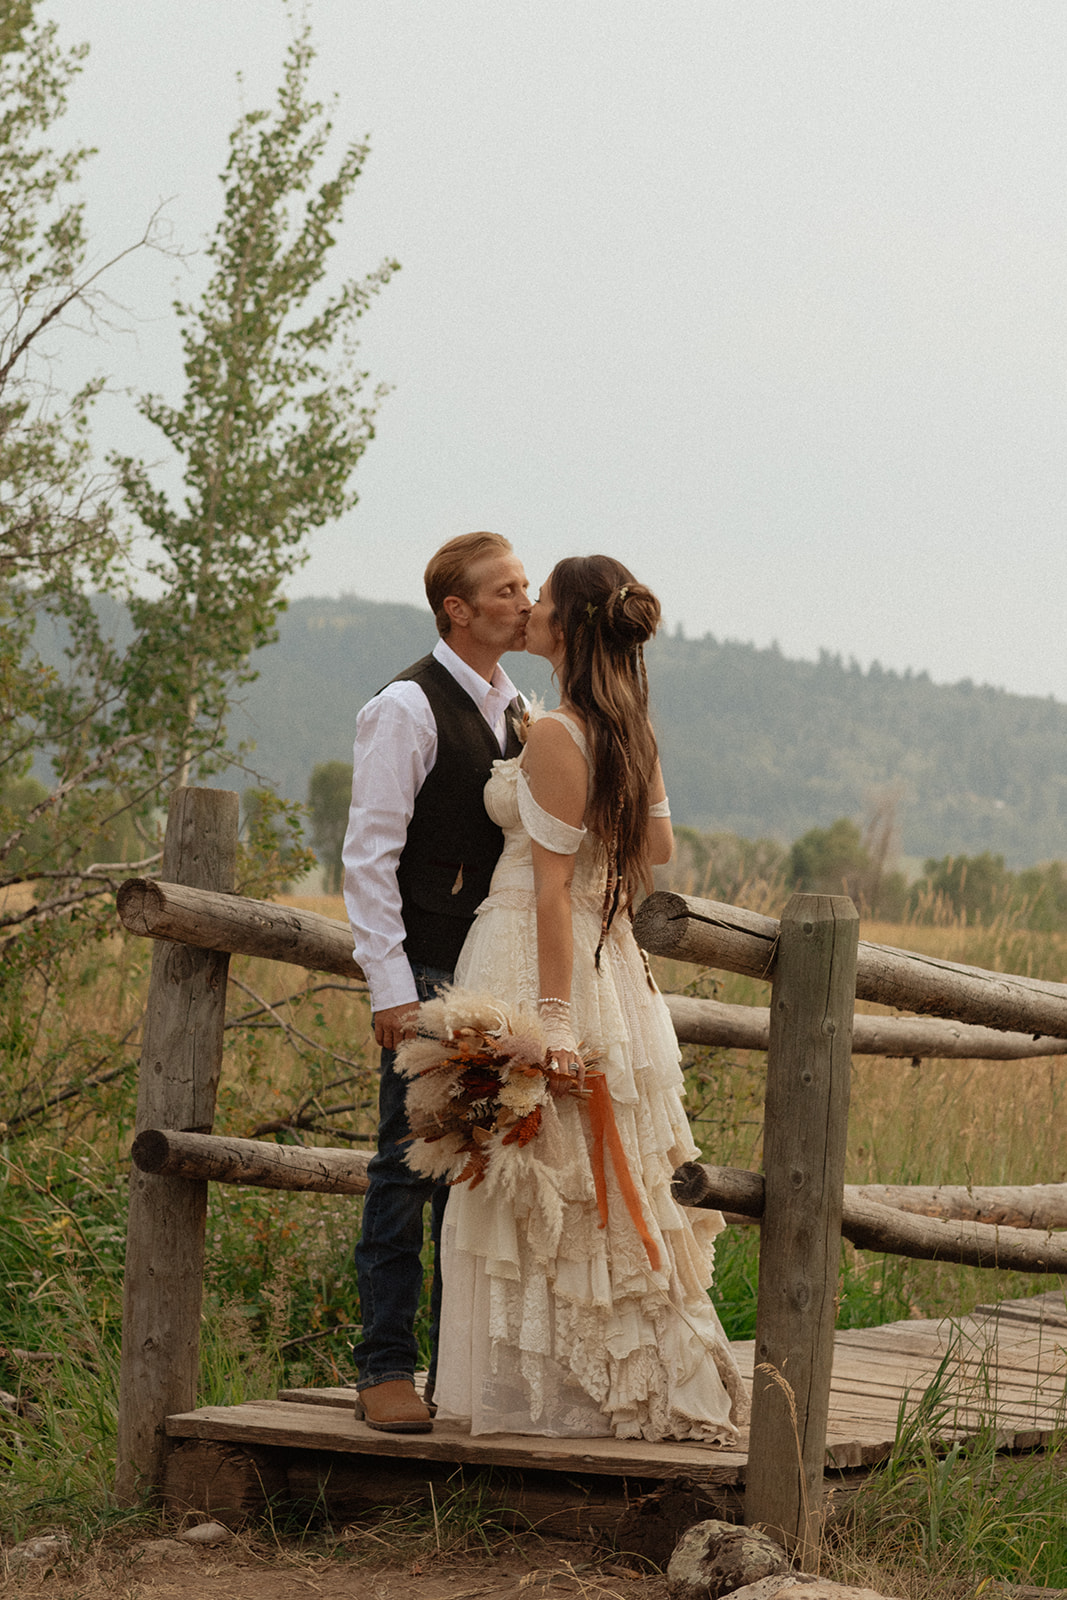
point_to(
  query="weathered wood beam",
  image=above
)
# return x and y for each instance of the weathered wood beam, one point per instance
(804, 1140)
(181, 1056)
(208, 921)
(220, 1159)
(972, 1244)
(712, 1022)
(739, 1191)
(160, 910)
(717, 935)
(892, 1230)
(1038, 1205)
(733, 1189)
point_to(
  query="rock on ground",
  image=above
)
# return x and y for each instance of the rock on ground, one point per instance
(207, 1533)
(150, 1551)
(714, 1559)
(718, 1561)
(803, 1586)
(38, 1554)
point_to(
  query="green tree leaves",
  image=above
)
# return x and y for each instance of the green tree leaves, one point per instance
(56, 532)
(829, 860)
(274, 419)
(275, 415)
(979, 890)
(329, 798)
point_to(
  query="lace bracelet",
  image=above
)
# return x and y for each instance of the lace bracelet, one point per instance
(555, 1014)
(660, 808)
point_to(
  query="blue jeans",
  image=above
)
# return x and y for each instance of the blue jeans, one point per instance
(389, 1253)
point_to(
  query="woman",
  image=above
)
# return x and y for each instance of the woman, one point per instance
(551, 1323)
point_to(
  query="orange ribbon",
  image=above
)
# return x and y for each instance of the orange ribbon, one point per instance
(605, 1132)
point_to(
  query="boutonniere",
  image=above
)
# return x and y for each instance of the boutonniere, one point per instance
(521, 724)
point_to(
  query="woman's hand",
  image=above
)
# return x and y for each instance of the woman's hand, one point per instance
(568, 1073)
(565, 1061)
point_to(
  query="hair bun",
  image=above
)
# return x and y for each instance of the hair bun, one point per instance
(632, 614)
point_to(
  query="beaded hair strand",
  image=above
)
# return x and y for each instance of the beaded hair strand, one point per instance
(613, 884)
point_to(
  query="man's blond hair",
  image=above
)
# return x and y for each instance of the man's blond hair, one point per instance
(452, 571)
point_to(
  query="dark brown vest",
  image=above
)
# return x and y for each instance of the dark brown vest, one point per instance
(452, 845)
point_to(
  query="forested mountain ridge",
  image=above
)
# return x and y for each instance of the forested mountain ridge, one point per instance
(752, 742)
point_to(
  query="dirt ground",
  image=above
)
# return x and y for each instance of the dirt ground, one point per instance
(155, 1569)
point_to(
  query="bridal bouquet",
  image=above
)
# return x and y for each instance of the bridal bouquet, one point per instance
(480, 1077)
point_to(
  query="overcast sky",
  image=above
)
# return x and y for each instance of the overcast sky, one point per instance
(767, 299)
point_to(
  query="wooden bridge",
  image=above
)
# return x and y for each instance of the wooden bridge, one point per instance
(823, 1403)
(1002, 1368)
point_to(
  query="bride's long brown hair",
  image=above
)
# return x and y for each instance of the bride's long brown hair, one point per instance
(606, 618)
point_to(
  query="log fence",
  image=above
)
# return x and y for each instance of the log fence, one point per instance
(817, 967)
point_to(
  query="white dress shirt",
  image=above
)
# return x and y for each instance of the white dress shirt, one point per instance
(395, 749)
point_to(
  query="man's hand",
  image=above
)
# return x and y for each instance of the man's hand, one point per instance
(394, 1025)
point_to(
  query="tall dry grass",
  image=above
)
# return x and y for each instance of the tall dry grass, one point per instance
(930, 1121)
(280, 1300)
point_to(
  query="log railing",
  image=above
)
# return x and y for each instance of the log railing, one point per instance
(975, 1227)
(816, 973)
(716, 935)
(816, 966)
(213, 921)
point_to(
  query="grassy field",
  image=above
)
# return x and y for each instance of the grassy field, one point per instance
(280, 1301)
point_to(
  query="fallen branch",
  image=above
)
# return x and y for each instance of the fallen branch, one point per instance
(320, 1333)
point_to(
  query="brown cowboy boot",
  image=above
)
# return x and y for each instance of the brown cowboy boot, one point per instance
(394, 1407)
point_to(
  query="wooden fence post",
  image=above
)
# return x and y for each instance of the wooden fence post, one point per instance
(805, 1131)
(181, 1055)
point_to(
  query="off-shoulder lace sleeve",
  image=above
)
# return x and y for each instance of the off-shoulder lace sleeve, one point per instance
(543, 827)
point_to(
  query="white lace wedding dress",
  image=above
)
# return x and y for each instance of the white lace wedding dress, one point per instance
(552, 1324)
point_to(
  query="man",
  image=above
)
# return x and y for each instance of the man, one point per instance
(419, 853)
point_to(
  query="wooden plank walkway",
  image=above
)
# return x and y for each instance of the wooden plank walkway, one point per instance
(1004, 1366)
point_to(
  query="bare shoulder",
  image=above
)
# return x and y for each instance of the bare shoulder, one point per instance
(556, 770)
(549, 739)
(554, 721)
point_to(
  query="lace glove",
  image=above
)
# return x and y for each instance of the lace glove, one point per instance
(555, 1021)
